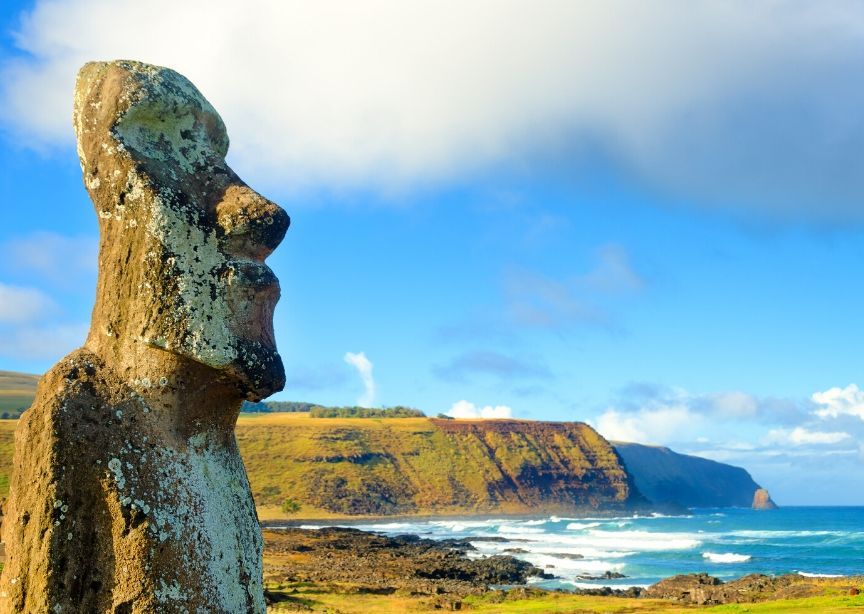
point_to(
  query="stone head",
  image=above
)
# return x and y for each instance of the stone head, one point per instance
(182, 239)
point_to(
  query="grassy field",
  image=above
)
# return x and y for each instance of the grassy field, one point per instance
(16, 391)
(348, 600)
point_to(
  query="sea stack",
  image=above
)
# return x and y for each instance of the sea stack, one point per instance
(128, 492)
(762, 500)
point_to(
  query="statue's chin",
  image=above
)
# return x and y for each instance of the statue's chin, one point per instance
(258, 374)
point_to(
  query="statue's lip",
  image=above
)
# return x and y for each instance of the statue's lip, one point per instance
(253, 273)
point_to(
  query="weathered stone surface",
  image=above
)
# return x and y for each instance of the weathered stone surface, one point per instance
(702, 589)
(129, 494)
(762, 500)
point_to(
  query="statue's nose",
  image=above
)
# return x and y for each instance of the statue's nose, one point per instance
(253, 225)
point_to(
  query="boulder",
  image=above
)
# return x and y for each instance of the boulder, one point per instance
(762, 500)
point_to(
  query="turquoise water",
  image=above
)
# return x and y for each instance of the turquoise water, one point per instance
(724, 542)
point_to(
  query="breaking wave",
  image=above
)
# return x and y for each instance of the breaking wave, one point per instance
(726, 557)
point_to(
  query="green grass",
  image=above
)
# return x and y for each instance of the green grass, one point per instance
(348, 600)
(384, 466)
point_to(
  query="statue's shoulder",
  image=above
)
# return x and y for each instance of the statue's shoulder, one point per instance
(79, 391)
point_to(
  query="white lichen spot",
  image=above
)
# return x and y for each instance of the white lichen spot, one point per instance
(116, 468)
(169, 592)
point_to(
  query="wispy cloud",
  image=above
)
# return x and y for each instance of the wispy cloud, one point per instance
(50, 256)
(801, 436)
(19, 305)
(538, 300)
(322, 377)
(468, 410)
(496, 364)
(751, 106)
(657, 425)
(364, 369)
(40, 342)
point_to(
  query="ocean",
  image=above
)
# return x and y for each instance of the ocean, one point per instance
(724, 542)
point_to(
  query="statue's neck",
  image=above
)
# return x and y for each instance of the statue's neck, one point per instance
(185, 395)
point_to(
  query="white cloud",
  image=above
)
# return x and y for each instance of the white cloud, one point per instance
(836, 402)
(801, 436)
(52, 256)
(19, 305)
(42, 342)
(694, 97)
(651, 426)
(364, 370)
(466, 409)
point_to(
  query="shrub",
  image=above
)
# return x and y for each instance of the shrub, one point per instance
(290, 506)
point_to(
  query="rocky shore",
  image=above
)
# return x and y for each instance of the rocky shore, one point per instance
(442, 573)
(377, 563)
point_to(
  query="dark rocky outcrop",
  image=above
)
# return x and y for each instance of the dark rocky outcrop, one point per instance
(667, 477)
(387, 564)
(702, 589)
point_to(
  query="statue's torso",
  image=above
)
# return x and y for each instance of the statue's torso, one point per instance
(110, 511)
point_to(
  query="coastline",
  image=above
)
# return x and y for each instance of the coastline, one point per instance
(347, 570)
(623, 551)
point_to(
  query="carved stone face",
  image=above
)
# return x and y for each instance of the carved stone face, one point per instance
(183, 239)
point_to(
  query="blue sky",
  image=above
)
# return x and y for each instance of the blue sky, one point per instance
(645, 218)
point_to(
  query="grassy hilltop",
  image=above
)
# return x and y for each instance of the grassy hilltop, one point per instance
(381, 466)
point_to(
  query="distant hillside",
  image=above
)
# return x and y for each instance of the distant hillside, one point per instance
(17, 391)
(665, 476)
(369, 465)
(345, 466)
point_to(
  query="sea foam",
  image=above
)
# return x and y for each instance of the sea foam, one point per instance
(726, 557)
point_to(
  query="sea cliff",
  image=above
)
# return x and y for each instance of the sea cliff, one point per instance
(379, 467)
(667, 477)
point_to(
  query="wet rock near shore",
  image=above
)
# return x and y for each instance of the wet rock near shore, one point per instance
(606, 575)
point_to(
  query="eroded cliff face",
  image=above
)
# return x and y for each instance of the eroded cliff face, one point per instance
(421, 465)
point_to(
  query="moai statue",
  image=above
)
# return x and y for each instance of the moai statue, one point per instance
(129, 494)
